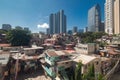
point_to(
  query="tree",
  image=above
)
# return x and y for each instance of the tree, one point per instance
(18, 37)
(98, 35)
(102, 44)
(91, 72)
(90, 37)
(90, 75)
(3, 31)
(100, 77)
(78, 74)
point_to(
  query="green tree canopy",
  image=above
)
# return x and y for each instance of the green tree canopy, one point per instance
(78, 74)
(3, 31)
(90, 37)
(18, 37)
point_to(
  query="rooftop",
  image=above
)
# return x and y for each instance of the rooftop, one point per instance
(5, 45)
(25, 57)
(59, 53)
(85, 59)
(33, 48)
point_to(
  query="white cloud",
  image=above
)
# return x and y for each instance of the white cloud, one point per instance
(44, 25)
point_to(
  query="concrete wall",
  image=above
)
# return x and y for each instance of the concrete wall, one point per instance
(86, 48)
(66, 64)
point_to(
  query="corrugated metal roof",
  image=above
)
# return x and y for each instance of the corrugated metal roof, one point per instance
(85, 59)
(59, 53)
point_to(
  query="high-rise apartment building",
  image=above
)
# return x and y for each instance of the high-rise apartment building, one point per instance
(81, 30)
(51, 22)
(57, 22)
(75, 29)
(116, 16)
(85, 29)
(26, 29)
(102, 27)
(6, 27)
(94, 19)
(109, 16)
(69, 32)
(19, 27)
(48, 31)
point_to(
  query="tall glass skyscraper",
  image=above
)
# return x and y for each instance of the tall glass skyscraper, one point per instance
(57, 22)
(51, 22)
(94, 19)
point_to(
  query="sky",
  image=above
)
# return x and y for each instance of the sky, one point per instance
(35, 13)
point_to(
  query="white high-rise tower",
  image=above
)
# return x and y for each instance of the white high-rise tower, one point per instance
(109, 16)
(117, 16)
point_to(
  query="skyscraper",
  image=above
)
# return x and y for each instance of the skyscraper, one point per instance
(109, 16)
(85, 29)
(51, 22)
(94, 19)
(48, 31)
(102, 27)
(116, 16)
(57, 22)
(6, 26)
(81, 30)
(75, 29)
(19, 27)
(26, 29)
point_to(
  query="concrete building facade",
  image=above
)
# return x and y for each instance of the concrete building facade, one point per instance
(6, 27)
(85, 29)
(26, 29)
(109, 16)
(102, 29)
(89, 48)
(57, 22)
(116, 16)
(75, 29)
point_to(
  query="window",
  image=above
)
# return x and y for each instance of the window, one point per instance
(2, 58)
(67, 63)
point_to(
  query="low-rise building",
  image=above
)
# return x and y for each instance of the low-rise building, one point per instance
(87, 61)
(56, 62)
(4, 59)
(38, 38)
(33, 50)
(89, 48)
(60, 62)
(24, 60)
(3, 38)
(116, 40)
